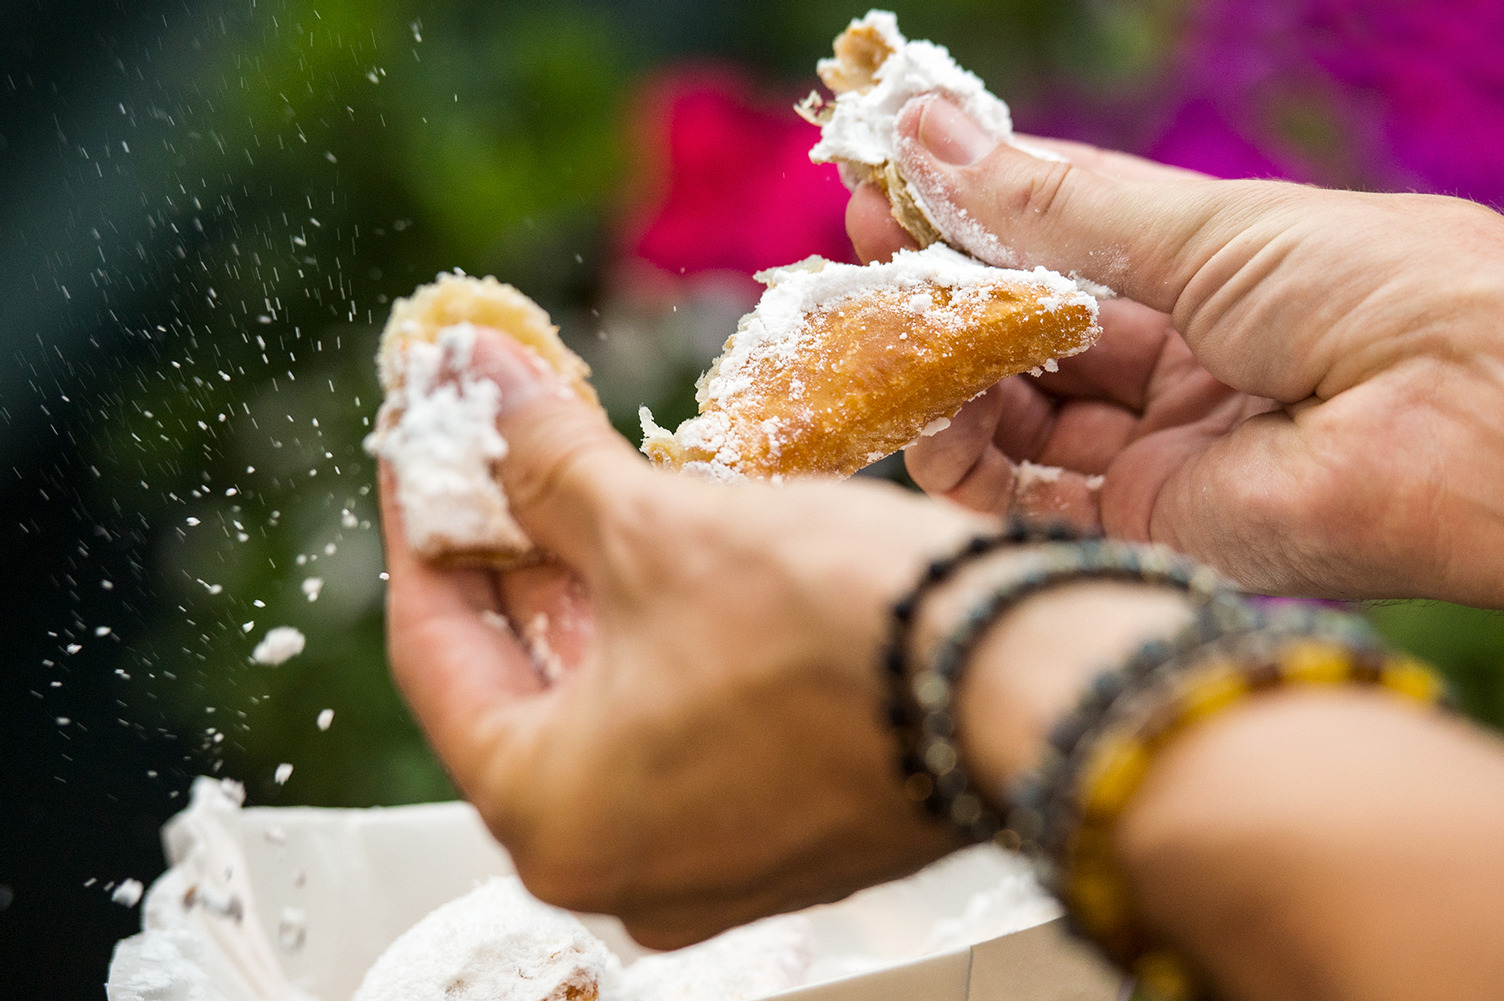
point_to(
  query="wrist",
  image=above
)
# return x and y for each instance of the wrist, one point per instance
(1030, 669)
(1031, 665)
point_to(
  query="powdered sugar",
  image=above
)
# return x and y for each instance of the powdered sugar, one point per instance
(777, 327)
(862, 128)
(753, 961)
(496, 943)
(128, 893)
(1031, 474)
(438, 431)
(280, 644)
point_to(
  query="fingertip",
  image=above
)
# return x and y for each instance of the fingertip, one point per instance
(875, 234)
(938, 462)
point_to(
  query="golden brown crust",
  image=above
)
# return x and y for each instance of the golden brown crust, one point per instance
(859, 51)
(877, 373)
(454, 299)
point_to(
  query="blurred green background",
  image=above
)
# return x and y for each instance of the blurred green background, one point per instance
(208, 207)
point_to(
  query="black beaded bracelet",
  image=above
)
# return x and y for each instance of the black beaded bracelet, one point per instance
(933, 773)
(1016, 531)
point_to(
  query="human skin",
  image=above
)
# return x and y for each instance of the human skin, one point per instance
(714, 750)
(1301, 387)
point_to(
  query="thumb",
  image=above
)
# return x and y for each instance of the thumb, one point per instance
(567, 473)
(1006, 206)
(1170, 240)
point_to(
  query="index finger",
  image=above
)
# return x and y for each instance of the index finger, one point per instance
(454, 668)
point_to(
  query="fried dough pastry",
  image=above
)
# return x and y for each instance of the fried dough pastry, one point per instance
(437, 425)
(874, 73)
(495, 943)
(840, 365)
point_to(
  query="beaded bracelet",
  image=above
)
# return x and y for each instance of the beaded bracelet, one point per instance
(922, 710)
(1016, 531)
(1098, 761)
(1062, 813)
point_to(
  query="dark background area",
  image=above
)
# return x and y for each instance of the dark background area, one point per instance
(206, 208)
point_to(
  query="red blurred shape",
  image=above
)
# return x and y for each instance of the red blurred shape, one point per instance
(725, 182)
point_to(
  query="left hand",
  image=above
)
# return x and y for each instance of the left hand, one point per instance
(714, 749)
(1301, 387)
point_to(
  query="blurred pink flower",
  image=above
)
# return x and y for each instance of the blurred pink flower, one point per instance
(726, 183)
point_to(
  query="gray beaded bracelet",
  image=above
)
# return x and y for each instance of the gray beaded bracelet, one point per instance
(933, 772)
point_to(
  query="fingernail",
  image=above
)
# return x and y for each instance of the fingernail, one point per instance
(950, 134)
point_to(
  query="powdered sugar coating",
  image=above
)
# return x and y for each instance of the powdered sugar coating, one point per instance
(496, 943)
(863, 127)
(438, 431)
(752, 961)
(778, 327)
(933, 289)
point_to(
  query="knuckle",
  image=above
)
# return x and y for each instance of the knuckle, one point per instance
(534, 486)
(1044, 189)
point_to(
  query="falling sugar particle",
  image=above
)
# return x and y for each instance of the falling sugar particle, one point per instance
(246, 627)
(128, 893)
(326, 717)
(311, 588)
(73, 647)
(102, 630)
(192, 522)
(292, 926)
(278, 645)
(63, 721)
(283, 773)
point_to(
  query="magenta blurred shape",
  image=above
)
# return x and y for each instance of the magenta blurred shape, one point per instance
(1414, 89)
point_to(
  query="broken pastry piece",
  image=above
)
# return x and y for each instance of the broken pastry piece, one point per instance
(874, 73)
(437, 425)
(840, 365)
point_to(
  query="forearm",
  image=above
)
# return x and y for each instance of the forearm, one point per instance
(1335, 843)
(1327, 844)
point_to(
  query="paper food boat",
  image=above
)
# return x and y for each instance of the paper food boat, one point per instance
(294, 904)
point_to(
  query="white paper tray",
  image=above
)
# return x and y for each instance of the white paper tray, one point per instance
(294, 904)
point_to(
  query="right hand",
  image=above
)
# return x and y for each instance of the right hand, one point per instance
(1302, 387)
(714, 748)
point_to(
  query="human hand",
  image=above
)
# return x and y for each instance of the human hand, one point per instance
(1304, 388)
(713, 748)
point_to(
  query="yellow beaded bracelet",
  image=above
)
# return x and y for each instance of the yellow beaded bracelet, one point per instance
(1098, 776)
